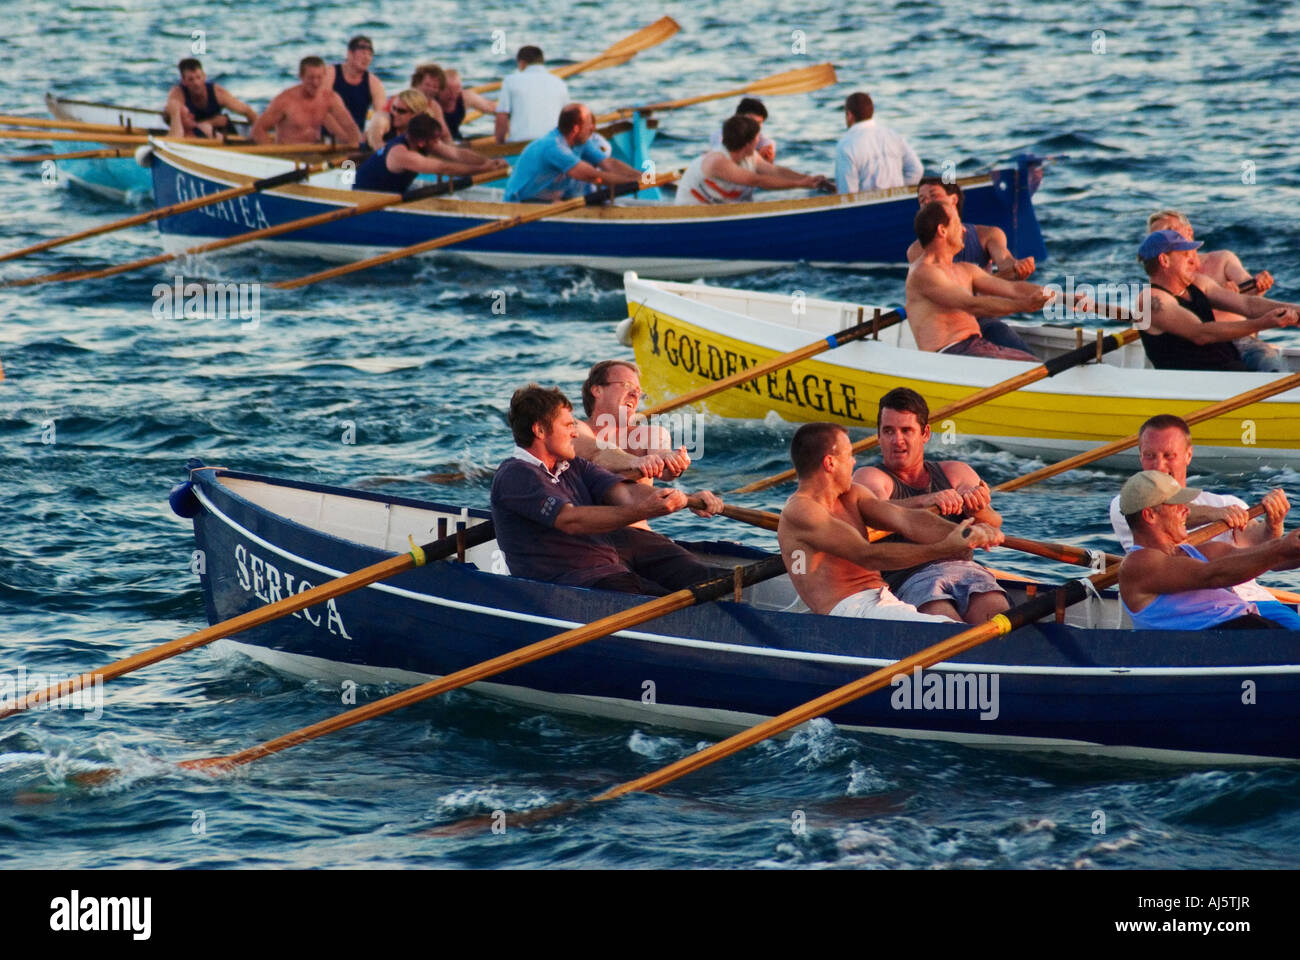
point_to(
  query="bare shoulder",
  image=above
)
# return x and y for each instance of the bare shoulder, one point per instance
(875, 481)
(802, 511)
(584, 429)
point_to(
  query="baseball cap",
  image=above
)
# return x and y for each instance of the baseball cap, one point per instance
(1151, 488)
(1164, 241)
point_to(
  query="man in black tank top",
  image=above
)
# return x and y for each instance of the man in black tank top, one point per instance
(958, 589)
(1182, 333)
(355, 84)
(194, 105)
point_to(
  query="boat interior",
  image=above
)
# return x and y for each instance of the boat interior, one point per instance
(387, 526)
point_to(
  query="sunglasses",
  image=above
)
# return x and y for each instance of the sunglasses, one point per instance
(402, 110)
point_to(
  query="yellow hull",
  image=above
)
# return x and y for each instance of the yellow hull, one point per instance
(676, 356)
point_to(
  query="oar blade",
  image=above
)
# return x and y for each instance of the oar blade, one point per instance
(802, 80)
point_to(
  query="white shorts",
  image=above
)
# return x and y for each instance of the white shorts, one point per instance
(880, 604)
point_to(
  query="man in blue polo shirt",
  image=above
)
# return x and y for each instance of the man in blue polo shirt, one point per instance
(565, 162)
(550, 506)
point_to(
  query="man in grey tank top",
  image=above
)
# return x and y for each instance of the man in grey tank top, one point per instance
(957, 589)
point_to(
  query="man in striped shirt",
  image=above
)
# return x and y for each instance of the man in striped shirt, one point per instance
(731, 175)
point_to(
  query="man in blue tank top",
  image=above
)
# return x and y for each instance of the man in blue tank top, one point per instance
(1167, 584)
(354, 83)
(194, 105)
(402, 159)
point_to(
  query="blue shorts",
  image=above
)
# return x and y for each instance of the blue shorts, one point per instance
(955, 580)
(1279, 613)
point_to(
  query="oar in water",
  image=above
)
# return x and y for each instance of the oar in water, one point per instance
(859, 331)
(679, 600)
(417, 557)
(618, 52)
(339, 213)
(291, 176)
(1280, 385)
(495, 226)
(1051, 368)
(1044, 604)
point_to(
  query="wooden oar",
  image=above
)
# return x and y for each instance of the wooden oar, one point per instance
(801, 80)
(74, 155)
(1040, 606)
(1280, 385)
(418, 556)
(291, 176)
(1051, 368)
(617, 53)
(859, 331)
(55, 124)
(547, 210)
(339, 213)
(679, 600)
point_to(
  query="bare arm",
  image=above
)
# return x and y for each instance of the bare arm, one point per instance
(232, 103)
(175, 107)
(994, 240)
(340, 123)
(476, 101)
(449, 151)
(377, 97)
(403, 158)
(975, 496)
(944, 292)
(501, 127)
(721, 165)
(612, 166)
(1168, 316)
(1251, 307)
(380, 122)
(273, 114)
(1146, 574)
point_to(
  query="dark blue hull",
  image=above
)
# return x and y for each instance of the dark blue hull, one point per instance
(1194, 697)
(664, 240)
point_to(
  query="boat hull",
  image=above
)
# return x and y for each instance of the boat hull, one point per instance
(853, 231)
(1157, 695)
(687, 336)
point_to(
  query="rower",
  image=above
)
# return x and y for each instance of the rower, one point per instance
(753, 108)
(986, 247)
(957, 589)
(1165, 444)
(834, 568)
(530, 99)
(732, 174)
(354, 83)
(297, 115)
(565, 163)
(194, 105)
(396, 120)
(455, 101)
(1167, 584)
(402, 159)
(1183, 333)
(618, 439)
(551, 507)
(1224, 268)
(944, 298)
(870, 156)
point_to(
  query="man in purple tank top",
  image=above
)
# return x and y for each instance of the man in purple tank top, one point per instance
(1166, 584)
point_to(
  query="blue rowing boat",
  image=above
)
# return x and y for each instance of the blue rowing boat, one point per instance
(1088, 685)
(663, 240)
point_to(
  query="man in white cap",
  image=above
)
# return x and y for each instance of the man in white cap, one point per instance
(1167, 584)
(1183, 334)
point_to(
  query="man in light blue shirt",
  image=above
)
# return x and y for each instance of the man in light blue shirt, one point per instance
(565, 163)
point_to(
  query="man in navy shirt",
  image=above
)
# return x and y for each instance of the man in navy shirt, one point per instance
(550, 506)
(563, 163)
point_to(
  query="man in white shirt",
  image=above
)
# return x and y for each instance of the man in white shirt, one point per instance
(530, 100)
(1165, 445)
(871, 156)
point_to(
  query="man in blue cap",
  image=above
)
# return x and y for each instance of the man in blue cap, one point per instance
(1182, 333)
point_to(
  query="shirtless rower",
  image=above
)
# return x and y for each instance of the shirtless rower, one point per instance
(945, 299)
(297, 115)
(194, 105)
(394, 168)
(1183, 333)
(619, 440)
(1224, 268)
(352, 80)
(834, 567)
